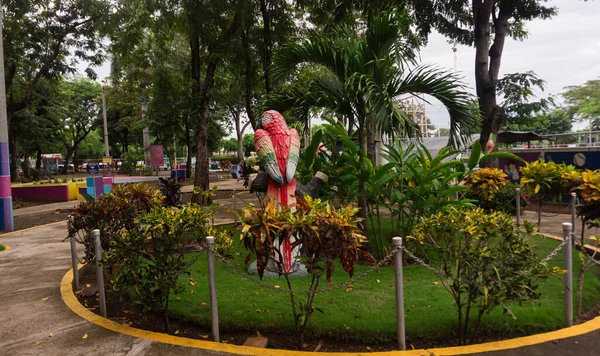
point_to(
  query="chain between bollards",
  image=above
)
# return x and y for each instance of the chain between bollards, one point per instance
(401, 331)
(212, 285)
(568, 277)
(99, 272)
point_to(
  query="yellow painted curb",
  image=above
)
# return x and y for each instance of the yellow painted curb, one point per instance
(6, 248)
(71, 301)
(33, 227)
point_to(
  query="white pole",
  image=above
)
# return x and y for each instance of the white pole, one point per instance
(212, 285)
(106, 150)
(99, 272)
(568, 278)
(400, 331)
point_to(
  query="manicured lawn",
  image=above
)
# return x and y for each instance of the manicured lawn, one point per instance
(367, 310)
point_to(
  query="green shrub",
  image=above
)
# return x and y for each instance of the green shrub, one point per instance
(548, 180)
(111, 213)
(129, 162)
(502, 198)
(484, 261)
(2, 247)
(224, 158)
(149, 259)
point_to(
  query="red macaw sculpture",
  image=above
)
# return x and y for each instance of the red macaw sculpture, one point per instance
(278, 149)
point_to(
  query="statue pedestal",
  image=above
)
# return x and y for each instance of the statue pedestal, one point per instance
(271, 271)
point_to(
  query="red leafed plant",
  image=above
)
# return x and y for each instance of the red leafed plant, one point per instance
(323, 234)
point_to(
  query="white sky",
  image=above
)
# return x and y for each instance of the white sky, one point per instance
(563, 51)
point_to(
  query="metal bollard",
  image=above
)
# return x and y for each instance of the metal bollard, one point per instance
(74, 259)
(400, 332)
(568, 278)
(518, 196)
(212, 285)
(99, 272)
(573, 215)
(235, 204)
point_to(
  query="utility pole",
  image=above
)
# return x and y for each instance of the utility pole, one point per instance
(107, 153)
(6, 211)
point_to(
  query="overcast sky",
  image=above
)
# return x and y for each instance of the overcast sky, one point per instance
(563, 51)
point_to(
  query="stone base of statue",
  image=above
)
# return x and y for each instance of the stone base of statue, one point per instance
(298, 269)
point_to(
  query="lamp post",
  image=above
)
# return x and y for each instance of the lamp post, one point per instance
(107, 153)
(6, 211)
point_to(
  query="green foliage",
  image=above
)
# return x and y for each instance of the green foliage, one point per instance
(111, 213)
(223, 158)
(149, 258)
(129, 163)
(484, 261)
(422, 185)
(519, 112)
(500, 199)
(363, 74)
(2, 247)
(589, 191)
(171, 190)
(584, 101)
(490, 190)
(548, 180)
(324, 234)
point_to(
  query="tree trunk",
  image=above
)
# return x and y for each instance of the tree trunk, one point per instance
(65, 169)
(267, 43)
(12, 145)
(38, 159)
(248, 80)
(362, 198)
(200, 103)
(201, 179)
(487, 65)
(188, 143)
(239, 131)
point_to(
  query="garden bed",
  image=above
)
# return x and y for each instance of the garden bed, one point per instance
(246, 308)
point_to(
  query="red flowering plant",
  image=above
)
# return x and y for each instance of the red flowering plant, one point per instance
(323, 235)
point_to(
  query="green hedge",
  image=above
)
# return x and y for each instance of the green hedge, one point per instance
(224, 158)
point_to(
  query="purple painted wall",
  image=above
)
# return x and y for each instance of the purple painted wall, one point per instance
(41, 193)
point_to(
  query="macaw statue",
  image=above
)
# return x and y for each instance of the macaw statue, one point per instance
(278, 149)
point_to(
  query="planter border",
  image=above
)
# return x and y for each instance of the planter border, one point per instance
(72, 303)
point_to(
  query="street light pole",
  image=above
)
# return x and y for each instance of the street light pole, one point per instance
(6, 211)
(107, 153)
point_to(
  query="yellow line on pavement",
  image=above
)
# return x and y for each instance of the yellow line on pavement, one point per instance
(71, 301)
(33, 227)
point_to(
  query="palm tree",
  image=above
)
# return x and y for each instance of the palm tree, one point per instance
(365, 76)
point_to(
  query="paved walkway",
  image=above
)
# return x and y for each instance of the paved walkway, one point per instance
(35, 321)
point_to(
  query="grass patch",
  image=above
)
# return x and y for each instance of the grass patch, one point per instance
(366, 311)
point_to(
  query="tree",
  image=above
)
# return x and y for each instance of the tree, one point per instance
(46, 40)
(584, 102)
(77, 104)
(484, 24)
(365, 75)
(518, 111)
